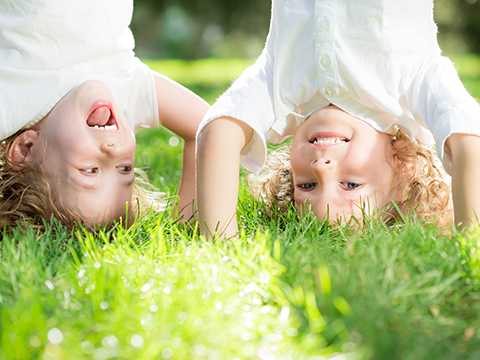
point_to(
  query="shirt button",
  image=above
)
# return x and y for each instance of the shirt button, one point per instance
(323, 25)
(330, 91)
(325, 62)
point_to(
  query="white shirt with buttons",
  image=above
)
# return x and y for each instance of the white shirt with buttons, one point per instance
(378, 60)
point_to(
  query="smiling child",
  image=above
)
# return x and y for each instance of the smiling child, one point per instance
(364, 90)
(73, 94)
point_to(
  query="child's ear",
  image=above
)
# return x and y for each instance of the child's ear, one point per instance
(20, 152)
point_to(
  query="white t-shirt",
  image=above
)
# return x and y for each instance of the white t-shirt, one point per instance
(378, 60)
(49, 47)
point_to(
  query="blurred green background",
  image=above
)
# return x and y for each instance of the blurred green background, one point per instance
(194, 29)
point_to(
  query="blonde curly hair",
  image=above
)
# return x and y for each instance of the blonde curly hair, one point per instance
(419, 188)
(28, 197)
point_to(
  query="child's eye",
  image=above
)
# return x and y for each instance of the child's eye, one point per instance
(352, 186)
(124, 169)
(90, 171)
(307, 186)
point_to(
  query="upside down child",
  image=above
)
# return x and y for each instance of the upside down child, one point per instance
(72, 94)
(363, 89)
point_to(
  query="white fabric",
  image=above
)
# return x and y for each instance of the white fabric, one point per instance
(49, 47)
(376, 59)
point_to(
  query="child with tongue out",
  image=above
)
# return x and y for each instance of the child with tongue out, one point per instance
(73, 95)
(363, 88)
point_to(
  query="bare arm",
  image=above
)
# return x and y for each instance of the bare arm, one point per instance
(218, 163)
(181, 111)
(465, 150)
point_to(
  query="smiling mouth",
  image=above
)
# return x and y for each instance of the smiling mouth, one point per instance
(328, 141)
(101, 116)
(328, 138)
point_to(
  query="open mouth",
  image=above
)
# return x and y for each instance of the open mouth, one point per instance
(101, 116)
(328, 138)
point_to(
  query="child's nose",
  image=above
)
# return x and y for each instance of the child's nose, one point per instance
(110, 148)
(322, 163)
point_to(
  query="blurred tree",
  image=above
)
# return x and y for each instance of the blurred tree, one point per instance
(200, 28)
(192, 29)
(470, 12)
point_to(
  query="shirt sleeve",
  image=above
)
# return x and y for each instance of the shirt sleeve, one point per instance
(437, 97)
(250, 100)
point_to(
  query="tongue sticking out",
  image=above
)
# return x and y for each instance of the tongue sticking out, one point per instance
(100, 117)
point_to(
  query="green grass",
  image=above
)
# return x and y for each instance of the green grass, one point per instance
(285, 289)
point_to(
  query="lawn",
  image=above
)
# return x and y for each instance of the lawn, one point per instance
(285, 289)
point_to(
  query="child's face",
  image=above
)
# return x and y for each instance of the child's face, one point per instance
(337, 159)
(86, 143)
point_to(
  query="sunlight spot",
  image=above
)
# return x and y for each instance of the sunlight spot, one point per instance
(167, 290)
(262, 257)
(250, 287)
(257, 301)
(265, 354)
(246, 336)
(146, 287)
(284, 314)
(136, 340)
(104, 305)
(167, 353)
(198, 321)
(190, 286)
(34, 341)
(200, 350)
(55, 336)
(264, 277)
(218, 289)
(292, 332)
(183, 316)
(218, 305)
(266, 309)
(173, 141)
(226, 258)
(177, 342)
(154, 308)
(87, 347)
(49, 285)
(248, 323)
(97, 265)
(228, 309)
(110, 341)
(311, 338)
